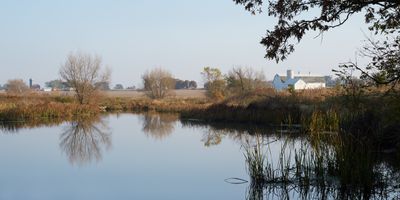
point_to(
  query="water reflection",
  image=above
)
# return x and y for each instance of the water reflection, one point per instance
(287, 164)
(14, 127)
(159, 125)
(214, 133)
(280, 164)
(305, 170)
(84, 140)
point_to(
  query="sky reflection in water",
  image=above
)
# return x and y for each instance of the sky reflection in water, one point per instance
(148, 156)
(118, 157)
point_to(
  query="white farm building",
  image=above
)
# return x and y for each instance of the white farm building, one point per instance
(299, 82)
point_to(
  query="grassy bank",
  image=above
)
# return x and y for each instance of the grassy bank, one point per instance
(177, 105)
(263, 107)
(41, 108)
(372, 115)
(47, 107)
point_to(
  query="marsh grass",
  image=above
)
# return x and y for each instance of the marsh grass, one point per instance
(263, 107)
(314, 164)
(255, 157)
(118, 104)
(373, 116)
(42, 108)
(337, 168)
(22, 111)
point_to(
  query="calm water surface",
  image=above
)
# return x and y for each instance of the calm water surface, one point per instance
(119, 157)
(156, 156)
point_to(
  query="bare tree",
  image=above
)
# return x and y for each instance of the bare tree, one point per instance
(244, 79)
(16, 87)
(158, 83)
(83, 72)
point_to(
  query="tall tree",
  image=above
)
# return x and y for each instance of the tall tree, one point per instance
(83, 72)
(244, 79)
(158, 82)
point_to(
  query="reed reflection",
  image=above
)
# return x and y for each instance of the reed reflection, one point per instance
(83, 141)
(159, 125)
(327, 170)
(285, 163)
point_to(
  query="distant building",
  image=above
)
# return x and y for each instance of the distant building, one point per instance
(35, 87)
(299, 82)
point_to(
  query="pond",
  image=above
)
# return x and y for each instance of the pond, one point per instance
(157, 156)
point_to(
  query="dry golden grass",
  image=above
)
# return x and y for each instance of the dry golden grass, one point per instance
(62, 104)
(199, 93)
(40, 107)
(141, 94)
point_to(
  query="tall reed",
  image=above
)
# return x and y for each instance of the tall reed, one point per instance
(336, 167)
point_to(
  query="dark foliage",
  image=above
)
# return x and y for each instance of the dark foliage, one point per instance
(383, 16)
(384, 68)
(104, 85)
(57, 84)
(118, 87)
(185, 84)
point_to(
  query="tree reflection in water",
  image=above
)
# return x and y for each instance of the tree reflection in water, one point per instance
(159, 125)
(214, 133)
(83, 140)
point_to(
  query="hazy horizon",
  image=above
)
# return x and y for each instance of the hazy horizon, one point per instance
(134, 36)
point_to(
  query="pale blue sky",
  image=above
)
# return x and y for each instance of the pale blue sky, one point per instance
(135, 35)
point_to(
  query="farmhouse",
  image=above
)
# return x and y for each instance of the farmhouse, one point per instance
(299, 82)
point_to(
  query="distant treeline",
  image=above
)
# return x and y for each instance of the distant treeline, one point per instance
(185, 84)
(63, 85)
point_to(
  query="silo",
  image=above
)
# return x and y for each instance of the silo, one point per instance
(290, 74)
